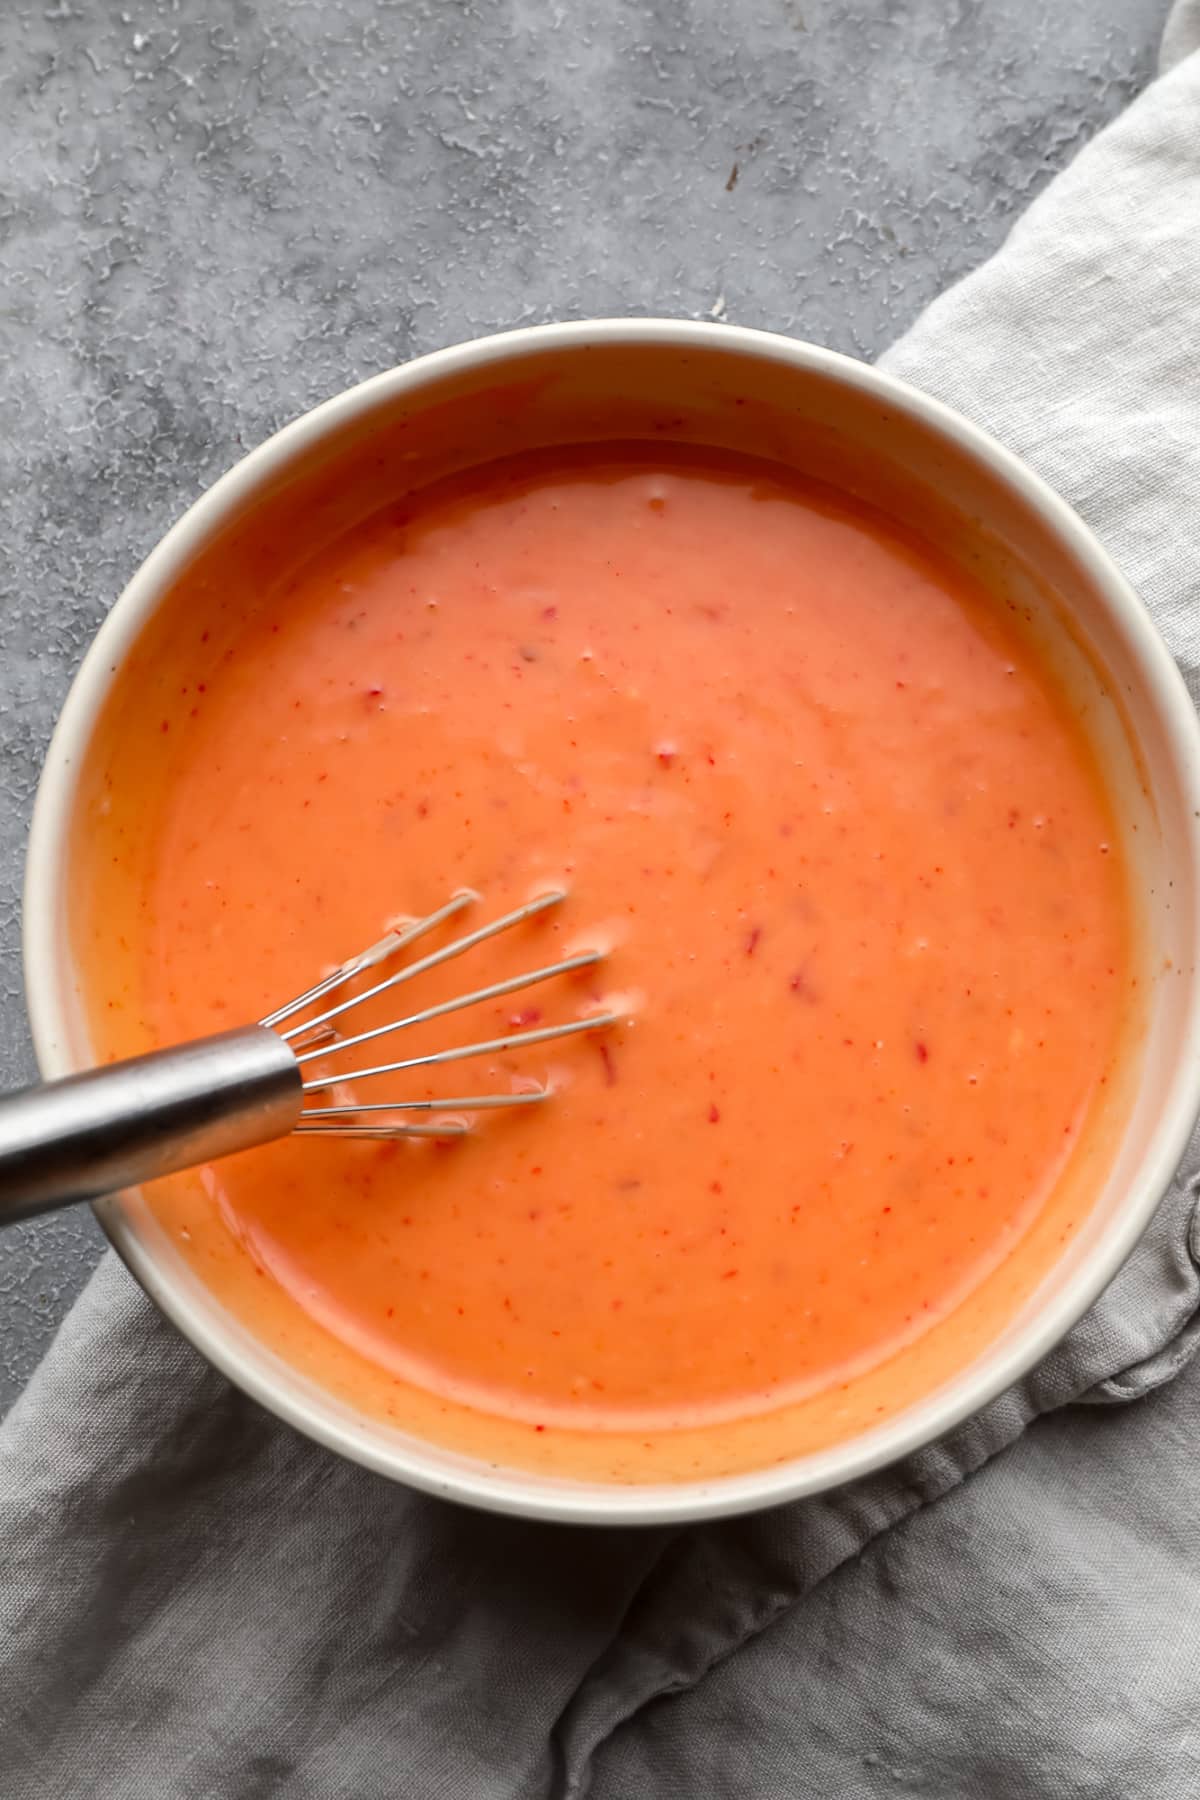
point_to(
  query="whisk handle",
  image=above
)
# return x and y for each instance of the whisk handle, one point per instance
(128, 1122)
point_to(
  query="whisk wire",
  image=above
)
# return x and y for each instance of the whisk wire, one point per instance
(445, 1128)
(489, 1047)
(461, 1103)
(377, 1119)
(498, 989)
(457, 947)
(390, 944)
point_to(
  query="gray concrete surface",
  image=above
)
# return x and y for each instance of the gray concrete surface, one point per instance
(213, 216)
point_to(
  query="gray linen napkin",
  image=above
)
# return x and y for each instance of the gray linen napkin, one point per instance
(195, 1602)
(1181, 34)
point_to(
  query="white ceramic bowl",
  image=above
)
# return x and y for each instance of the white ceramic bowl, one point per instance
(848, 424)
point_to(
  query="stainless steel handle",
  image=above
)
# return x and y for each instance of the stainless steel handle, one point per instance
(126, 1123)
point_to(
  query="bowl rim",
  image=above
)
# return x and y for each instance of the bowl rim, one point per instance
(480, 1484)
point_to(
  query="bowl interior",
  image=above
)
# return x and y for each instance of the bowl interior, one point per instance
(841, 424)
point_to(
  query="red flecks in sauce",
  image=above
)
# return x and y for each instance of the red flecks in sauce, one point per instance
(802, 987)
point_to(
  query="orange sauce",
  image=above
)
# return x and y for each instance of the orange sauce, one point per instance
(848, 850)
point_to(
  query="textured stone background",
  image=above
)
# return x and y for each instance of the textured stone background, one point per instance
(212, 216)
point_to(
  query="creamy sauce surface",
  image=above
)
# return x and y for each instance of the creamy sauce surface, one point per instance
(840, 834)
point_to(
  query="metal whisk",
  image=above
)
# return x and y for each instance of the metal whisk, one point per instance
(117, 1126)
